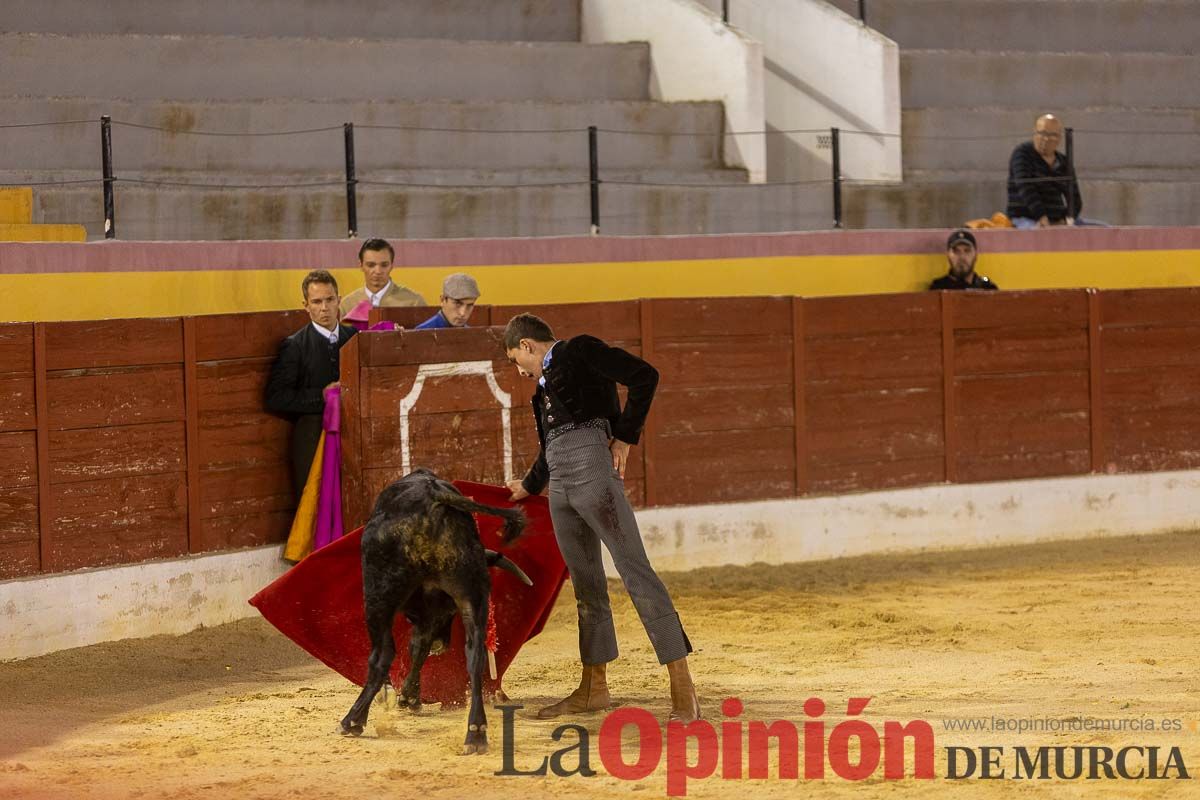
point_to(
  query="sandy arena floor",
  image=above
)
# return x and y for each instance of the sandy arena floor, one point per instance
(1104, 629)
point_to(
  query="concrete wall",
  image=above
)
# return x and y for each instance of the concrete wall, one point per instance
(512, 20)
(143, 67)
(693, 57)
(1115, 26)
(102, 280)
(930, 517)
(823, 69)
(558, 139)
(172, 597)
(42, 615)
(966, 78)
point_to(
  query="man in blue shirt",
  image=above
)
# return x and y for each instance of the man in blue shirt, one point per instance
(459, 293)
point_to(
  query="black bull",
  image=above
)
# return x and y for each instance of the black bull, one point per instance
(421, 554)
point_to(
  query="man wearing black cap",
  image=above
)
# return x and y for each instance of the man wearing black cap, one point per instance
(961, 254)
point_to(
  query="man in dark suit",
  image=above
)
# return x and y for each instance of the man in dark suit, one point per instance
(307, 364)
(585, 437)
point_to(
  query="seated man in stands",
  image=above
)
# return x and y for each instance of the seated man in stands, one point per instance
(307, 364)
(459, 293)
(1039, 179)
(961, 254)
(375, 260)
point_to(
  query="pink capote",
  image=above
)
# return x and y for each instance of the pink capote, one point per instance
(329, 501)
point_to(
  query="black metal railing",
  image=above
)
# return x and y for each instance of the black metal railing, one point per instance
(833, 139)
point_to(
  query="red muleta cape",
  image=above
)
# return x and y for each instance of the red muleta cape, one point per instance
(318, 604)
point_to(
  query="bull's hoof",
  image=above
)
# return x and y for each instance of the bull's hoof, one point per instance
(476, 742)
(349, 729)
(413, 704)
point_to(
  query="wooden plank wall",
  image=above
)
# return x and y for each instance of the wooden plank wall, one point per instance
(1150, 383)
(722, 424)
(873, 392)
(241, 477)
(134, 439)
(456, 421)
(19, 539)
(1021, 381)
(115, 423)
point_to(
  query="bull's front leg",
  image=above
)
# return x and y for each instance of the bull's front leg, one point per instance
(474, 617)
(418, 651)
(383, 652)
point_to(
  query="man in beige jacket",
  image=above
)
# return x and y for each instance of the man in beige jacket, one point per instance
(375, 260)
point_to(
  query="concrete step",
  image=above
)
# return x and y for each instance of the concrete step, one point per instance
(140, 67)
(1119, 140)
(24, 232)
(440, 213)
(513, 20)
(16, 204)
(1000, 174)
(946, 204)
(950, 78)
(558, 140)
(27, 232)
(1163, 26)
(518, 177)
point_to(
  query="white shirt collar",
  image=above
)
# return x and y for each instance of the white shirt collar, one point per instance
(377, 297)
(331, 336)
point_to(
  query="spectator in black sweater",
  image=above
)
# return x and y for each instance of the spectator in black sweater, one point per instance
(1039, 179)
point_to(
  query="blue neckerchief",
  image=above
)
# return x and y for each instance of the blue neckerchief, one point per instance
(546, 363)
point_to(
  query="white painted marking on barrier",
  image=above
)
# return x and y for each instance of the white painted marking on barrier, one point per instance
(452, 369)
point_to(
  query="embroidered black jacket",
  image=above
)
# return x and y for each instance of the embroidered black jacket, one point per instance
(583, 375)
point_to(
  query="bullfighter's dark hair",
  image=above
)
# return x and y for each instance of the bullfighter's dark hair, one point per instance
(318, 276)
(376, 244)
(526, 326)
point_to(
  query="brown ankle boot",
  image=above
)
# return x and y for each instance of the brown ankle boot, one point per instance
(592, 695)
(685, 706)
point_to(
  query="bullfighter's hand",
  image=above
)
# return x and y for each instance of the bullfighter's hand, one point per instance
(518, 491)
(620, 454)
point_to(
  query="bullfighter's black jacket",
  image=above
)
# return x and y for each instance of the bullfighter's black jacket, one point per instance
(306, 364)
(582, 377)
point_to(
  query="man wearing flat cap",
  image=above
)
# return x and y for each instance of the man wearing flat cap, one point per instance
(459, 293)
(961, 254)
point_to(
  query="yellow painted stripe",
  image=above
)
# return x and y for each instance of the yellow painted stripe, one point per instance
(66, 296)
(24, 232)
(16, 205)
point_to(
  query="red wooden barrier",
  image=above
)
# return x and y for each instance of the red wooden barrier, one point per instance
(19, 478)
(131, 439)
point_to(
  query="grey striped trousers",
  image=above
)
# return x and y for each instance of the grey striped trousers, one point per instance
(588, 506)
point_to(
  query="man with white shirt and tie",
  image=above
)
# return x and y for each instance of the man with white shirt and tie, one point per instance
(307, 364)
(375, 259)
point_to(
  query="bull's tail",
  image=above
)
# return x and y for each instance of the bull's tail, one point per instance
(514, 518)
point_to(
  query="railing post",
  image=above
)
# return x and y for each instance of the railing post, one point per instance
(594, 177)
(725, 11)
(106, 166)
(1071, 173)
(835, 142)
(351, 183)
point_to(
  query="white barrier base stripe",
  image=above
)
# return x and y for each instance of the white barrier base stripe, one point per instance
(42, 614)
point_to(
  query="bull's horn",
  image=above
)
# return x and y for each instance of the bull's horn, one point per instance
(495, 559)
